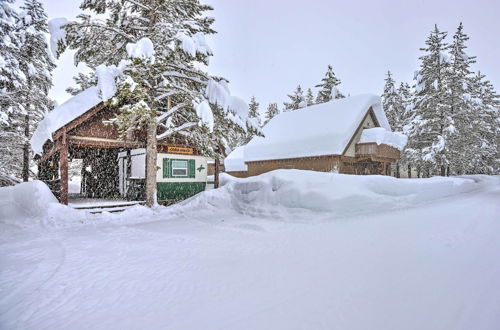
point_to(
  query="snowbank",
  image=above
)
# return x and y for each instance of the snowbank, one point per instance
(63, 114)
(380, 135)
(27, 199)
(322, 129)
(282, 194)
(286, 193)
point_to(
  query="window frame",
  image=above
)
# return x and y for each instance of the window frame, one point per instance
(186, 168)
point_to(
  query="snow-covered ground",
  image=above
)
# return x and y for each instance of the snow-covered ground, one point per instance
(285, 250)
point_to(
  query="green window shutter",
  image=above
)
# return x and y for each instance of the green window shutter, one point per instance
(191, 170)
(167, 168)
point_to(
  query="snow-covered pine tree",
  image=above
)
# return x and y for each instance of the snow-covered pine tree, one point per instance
(432, 125)
(328, 87)
(483, 150)
(309, 97)
(272, 110)
(12, 81)
(406, 96)
(457, 80)
(37, 66)
(151, 47)
(253, 114)
(297, 100)
(253, 110)
(393, 107)
(392, 104)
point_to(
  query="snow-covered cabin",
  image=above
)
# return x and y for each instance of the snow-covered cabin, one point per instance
(112, 166)
(350, 135)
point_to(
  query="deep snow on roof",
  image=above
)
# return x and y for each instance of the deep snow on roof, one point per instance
(235, 161)
(380, 135)
(322, 129)
(62, 115)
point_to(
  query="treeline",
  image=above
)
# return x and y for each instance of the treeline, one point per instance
(449, 113)
(25, 80)
(298, 99)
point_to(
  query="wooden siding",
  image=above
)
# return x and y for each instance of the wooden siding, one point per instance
(377, 151)
(319, 163)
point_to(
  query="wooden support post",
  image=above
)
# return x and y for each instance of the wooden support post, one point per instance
(216, 173)
(63, 171)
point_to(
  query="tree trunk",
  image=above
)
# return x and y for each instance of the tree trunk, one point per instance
(409, 171)
(26, 150)
(443, 170)
(397, 170)
(150, 184)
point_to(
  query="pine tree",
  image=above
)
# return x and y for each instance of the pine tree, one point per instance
(151, 48)
(272, 110)
(12, 82)
(36, 66)
(483, 138)
(328, 87)
(253, 110)
(309, 97)
(405, 94)
(297, 100)
(393, 104)
(457, 80)
(432, 125)
(253, 114)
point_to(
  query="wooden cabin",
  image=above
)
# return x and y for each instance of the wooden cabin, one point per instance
(113, 166)
(350, 135)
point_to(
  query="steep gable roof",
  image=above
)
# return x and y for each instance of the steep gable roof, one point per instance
(62, 115)
(322, 129)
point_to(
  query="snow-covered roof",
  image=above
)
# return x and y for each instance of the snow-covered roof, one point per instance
(322, 129)
(63, 114)
(380, 135)
(235, 162)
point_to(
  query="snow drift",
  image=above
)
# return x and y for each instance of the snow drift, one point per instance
(286, 193)
(281, 194)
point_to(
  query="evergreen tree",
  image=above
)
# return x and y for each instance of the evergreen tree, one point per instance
(432, 126)
(253, 114)
(272, 110)
(36, 66)
(457, 79)
(309, 97)
(328, 87)
(297, 100)
(151, 47)
(12, 82)
(392, 104)
(253, 111)
(482, 151)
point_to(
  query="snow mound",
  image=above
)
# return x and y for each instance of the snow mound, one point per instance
(380, 135)
(27, 199)
(57, 33)
(286, 193)
(142, 49)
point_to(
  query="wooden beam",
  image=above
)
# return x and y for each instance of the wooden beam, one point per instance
(216, 173)
(90, 142)
(63, 170)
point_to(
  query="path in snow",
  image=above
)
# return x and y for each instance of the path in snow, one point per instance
(435, 266)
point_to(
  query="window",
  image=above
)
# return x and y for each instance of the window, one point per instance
(179, 168)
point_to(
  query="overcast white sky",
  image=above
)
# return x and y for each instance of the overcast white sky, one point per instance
(266, 47)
